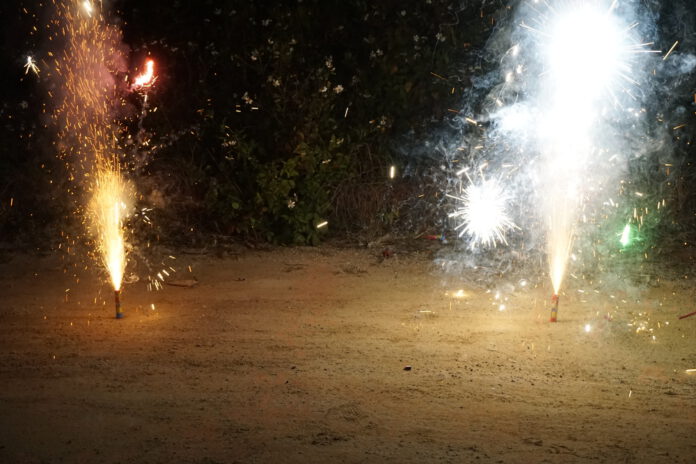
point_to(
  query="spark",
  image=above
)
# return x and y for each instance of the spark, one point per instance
(459, 294)
(322, 224)
(30, 65)
(89, 9)
(392, 172)
(626, 236)
(670, 50)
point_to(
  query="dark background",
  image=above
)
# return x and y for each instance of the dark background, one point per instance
(243, 129)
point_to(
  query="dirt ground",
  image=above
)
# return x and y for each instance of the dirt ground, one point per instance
(301, 355)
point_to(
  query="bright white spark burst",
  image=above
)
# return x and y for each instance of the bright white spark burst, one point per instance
(89, 9)
(586, 51)
(30, 65)
(484, 213)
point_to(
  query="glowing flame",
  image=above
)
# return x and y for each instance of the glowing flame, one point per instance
(147, 78)
(108, 211)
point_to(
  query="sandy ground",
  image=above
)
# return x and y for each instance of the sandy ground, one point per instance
(299, 355)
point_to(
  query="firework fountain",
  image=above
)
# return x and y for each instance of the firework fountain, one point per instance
(582, 72)
(87, 114)
(569, 101)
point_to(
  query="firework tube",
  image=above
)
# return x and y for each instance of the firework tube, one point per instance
(554, 308)
(687, 315)
(117, 300)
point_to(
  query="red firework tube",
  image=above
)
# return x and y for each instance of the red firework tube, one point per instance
(687, 315)
(554, 308)
(117, 300)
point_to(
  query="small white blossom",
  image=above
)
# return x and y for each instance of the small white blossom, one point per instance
(440, 37)
(338, 89)
(376, 53)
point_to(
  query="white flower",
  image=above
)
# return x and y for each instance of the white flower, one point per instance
(440, 37)
(376, 53)
(323, 89)
(338, 89)
(254, 55)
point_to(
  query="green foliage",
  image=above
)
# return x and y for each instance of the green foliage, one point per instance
(281, 105)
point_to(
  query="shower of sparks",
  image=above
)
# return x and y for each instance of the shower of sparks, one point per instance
(108, 211)
(30, 65)
(89, 132)
(585, 50)
(483, 213)
(147, 78)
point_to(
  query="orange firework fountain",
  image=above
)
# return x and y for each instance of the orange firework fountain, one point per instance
(108, 211)
(89, 131)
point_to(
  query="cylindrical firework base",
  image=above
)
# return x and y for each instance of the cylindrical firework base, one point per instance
(117, 300)
(554, 308)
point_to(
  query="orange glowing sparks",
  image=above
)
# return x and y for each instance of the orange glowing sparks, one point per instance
(88, 129)
(108, 212)
(147, 78)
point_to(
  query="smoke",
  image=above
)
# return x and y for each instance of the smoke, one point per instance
(589, 162)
